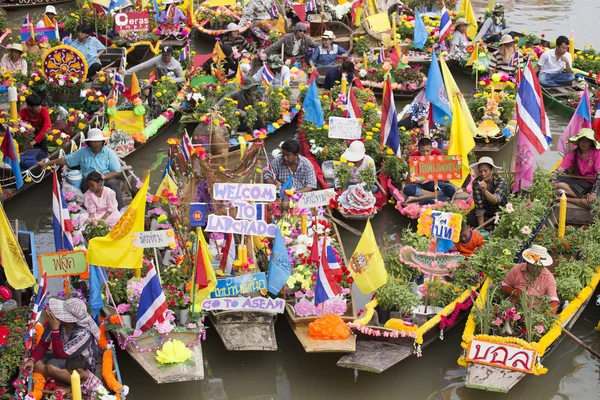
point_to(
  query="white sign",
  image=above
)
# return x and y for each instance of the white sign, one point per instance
(344, 128)
(149, 239)
(226, 224)
(261, 192)
(245, 303)
(316, 198)
(506, 356)
(132, 21)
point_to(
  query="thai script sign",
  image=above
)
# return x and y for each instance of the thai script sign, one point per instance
(499, 355)
(435, 168)
(344, 128)
(149, 239)
(132, 21)
(245, 303)
(235, 286)
(316, 198)
(446, 225)
(226, 224)
(63, 263)
(262, 192)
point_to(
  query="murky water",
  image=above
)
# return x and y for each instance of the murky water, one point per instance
(290, 373)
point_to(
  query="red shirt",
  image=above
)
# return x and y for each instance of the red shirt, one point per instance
(41, 122)
(434, 152)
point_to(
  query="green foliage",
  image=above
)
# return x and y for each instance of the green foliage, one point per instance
(343, 174)
(396, 295)
(394, 167)
(396, 267)
(574, 269)
(568, 288)
(174, 275)
(496, 258)
(439, 293)
(569, 246)
(100, 229)
(523, 220)
(361, 46)
(367, 176)
(542, 188)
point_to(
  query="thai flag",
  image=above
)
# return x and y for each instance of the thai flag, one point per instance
(186, 146)
(389, 119)
(261, 212)
(333, 263)
(352, 105)
(38, 306)
(274, 11)
(445, 24)
(185, 52)
(513, 61)
(381, 56)
(119, 83)
(27, 21)
(311, 6)
(267, 75)
(153, 302)
(227, 254)
(596, 122)
(531, 115)
(61, 221)
(326, 286)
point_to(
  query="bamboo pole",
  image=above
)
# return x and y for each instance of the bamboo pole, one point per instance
(579, 342)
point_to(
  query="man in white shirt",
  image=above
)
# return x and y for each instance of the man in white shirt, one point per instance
(554, 66)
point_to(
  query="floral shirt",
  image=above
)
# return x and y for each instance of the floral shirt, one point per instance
(498, 186)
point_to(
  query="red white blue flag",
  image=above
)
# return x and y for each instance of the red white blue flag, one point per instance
(381, 56)
(187, 148)
(274, 11)
(153, 302)
(531, 115)
(445, 24)
(38, 306)
(352, 105)
(389, 119)
(311, 5)
(326, 286)
(227, 254)
(119, 83)
(513, 61)
(333, 263)
(61, 219)
(267, 75)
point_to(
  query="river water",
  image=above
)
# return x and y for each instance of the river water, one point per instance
(290, 373)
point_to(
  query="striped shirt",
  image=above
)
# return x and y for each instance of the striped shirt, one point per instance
(498, 64)
(88, 388)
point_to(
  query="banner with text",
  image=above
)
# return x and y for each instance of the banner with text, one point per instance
(344, 128)
(132, 21)
(435, 168)
(63, 263)
(245, 303)
(237, 285)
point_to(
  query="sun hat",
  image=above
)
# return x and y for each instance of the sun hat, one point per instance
(16, 46)
(485, 160)
(300, 27)
(95, 135)
(530, 254)
(50, 10)
(461, 21)
(355, 152)
(232, 27)
(506, 39)
(588, 134)
(144, 84)
(75, 311)
(274, 61)
(499, 8)
(328, 35)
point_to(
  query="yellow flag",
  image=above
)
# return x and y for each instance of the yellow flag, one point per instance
(366, 264)
(452, 90)
(135, 85)
(116, 250)
(103, 3)
(218, 53)
(204, 294)
(461, 140)
(16, 269)
(48, 23)
(474, 56)
(466, 9)
(280, 27)
(167, 183)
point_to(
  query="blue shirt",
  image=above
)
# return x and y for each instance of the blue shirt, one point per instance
(104, 162)
(323, 57)
(89, 49)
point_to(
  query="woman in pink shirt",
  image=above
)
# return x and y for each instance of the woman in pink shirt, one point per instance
(583, 161)
(100, 201)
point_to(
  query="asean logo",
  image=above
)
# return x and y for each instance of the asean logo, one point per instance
(197, 215)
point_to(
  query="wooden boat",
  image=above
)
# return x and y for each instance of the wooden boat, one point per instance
(8, 5)
(554, 99)
(245, 330)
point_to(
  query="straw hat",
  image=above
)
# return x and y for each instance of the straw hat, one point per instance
(233, 27)
(95, 135)
(506, 39)
(355, 152)
(461, 21)
(588, 134)
(536, 251)
(74, 311)
(16, 46)
(485, 160)
(328, 35)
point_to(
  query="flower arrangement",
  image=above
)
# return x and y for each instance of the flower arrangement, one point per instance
(14, 323)
(77, 121)
(56, 138)
(176, 299)
(23, 132)
(65, 82)
(165, 91)
(125, 38)
(95, 97)
(5, 294)
(587, 59)
(493, 109)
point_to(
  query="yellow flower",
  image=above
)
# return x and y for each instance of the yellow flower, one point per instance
(390, 151)
(59, 142)
(22, 98)
(37, 78)
(221, 168)
(102, 79)
(369, 137)
(28, 179)
(81, 125)
(158, 94)
(336, 163)
(91, 98)
(343, 159)
(258, 170)
(506, 251)
(50, 137)
(30, 83)
(71, 118)
(2, 120)
(351, 164)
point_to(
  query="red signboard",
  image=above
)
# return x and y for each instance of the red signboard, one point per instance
(132, 21)
(435, 168)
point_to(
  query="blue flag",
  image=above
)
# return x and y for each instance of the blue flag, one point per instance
(435, 93)
(198, 214)
(443, 245)
(583, 108)
(97, 278)
(421, 35)
(280, 267)
(11, 157)
(312, 106)
(287, 185)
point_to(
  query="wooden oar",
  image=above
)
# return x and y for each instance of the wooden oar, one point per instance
(485, 223)
(579, 342)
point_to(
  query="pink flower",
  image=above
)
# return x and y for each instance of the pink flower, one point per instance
(299, 294)
(498, 322)
(310, 293)
(191, 325)
(137, 333)
(539, 329)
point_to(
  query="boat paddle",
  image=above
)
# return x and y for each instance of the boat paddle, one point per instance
(579, 342)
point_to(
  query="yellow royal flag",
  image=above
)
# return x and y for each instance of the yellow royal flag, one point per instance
(103, 3)
(16, 269)
(474, 56)
(452, 90)
(366, 264)
(466, 9)
(127, 121)
(218, 53)
(167, 183)
(204, 294)
(461, 140)
(116, 250)
(280, 27)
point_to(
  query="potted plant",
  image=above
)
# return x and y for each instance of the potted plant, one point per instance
(178, 301)
(395, 168)
(395, 295)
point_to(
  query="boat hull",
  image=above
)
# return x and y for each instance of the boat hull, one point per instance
(245, 330)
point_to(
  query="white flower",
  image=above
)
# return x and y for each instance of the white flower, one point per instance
(81, 116)
(125, 390)
(363, 73)
(98, 94)
(496, 218)
(61, 82)
(75, 80)
(526, 230)
(197, 97)
(63, 135)
(509, 208)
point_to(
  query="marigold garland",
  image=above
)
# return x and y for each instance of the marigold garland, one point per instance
(400, 325)
(369, 311)
(107, 373)
(153, 48)
(39, 382)
(39, 331)
(425, 224)
(103, 339)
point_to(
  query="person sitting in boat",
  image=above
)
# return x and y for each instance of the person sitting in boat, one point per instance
(424, 192)
(494, 27)
(532, 276)
(148, 101)
(49, 20)
(489, 191)
(13, 61)
(399, 8)
(96, 156)
(460, 41)
(295, 45)
(291, 163)
(164, 65)
(229, 65)
(334, 74)
(258, 14)
(90, 47)
(555, 65)
(416, 113)
(39, 117)
(171, 15)
(236, 40)
(100, 201)
(356, 154)
(470, 240)
(503, 60)
(281, 71)
(327, 53)
(71, 331)
(89, 382)
(584, 161)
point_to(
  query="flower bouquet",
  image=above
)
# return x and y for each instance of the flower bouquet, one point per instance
(55, 139)
(77, 121)
(64, 87)
(95, 99)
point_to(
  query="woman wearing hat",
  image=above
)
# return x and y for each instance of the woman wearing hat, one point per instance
(71, 331)
(327, 53)
(532, 276)
(236, 40)
(356, 154)
(489, 191)
(502, 60)
(494, 27)
(281, 72)
(583, 161)
(13, 61)
(460, 41)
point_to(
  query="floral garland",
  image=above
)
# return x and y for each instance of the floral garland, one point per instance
(446, 322)
(107, 373)
(403, 326)
(153, 48)
(370, 310)
(377, 332)
(425, 224)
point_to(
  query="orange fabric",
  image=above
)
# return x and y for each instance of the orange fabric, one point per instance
(328, 327)
(467, 249)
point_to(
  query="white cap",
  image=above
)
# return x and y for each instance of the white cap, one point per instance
(50, 10)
